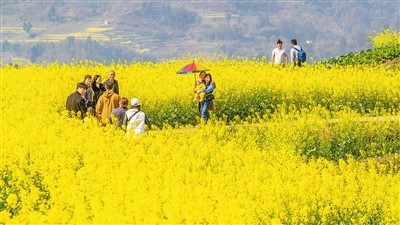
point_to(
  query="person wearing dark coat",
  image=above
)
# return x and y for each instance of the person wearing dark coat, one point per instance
(114, 81)
(98, 89)
(75, 102)
(88, 96)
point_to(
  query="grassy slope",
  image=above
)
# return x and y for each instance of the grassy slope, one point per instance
(388, 55)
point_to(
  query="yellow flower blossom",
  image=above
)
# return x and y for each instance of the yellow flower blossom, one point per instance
(264, 167)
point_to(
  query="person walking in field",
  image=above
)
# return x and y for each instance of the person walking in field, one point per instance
(135, 120)
(107, 102)
(75, 102)
(279, 55)
(294, 56)
(111, 78)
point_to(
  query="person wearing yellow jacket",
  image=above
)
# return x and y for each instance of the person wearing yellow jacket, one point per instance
(107, 102)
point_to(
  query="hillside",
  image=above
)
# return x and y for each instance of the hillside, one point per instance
(164, 30)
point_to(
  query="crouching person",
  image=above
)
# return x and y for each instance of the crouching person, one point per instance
(135, 120)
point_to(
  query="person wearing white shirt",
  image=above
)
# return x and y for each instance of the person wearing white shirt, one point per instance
(134, 119)
(279, 55)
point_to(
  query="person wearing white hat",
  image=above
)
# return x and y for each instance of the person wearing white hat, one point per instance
(134, 119)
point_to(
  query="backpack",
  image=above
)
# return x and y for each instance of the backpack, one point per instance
(301, 55)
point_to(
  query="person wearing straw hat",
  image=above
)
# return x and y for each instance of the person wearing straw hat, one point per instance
(135, 120)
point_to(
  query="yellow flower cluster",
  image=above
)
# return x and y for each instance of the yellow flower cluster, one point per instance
(385, 38)
(57, 169)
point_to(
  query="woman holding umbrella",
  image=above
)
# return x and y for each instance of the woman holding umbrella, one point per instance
(208, 102)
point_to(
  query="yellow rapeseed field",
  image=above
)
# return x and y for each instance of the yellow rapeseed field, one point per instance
(268, 154)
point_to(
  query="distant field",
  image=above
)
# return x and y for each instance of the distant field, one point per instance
(101, 34)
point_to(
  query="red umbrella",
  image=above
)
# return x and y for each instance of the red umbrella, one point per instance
(192, 68)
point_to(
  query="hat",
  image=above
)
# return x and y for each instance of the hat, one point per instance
(135, 102)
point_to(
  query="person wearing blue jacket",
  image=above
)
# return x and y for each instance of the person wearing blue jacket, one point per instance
(206, 104)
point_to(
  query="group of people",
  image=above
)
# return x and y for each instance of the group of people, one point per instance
(102, 100)
(279, 55)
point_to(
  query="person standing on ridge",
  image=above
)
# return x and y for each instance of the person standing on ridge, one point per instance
(279, 55)
(294, 53)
